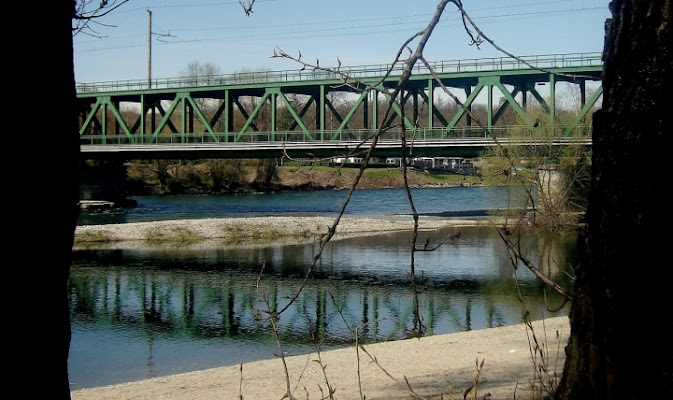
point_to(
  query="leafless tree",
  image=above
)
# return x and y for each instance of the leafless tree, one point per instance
(89, 12)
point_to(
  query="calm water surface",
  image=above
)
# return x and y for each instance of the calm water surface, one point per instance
(148, 312)
(471, 201)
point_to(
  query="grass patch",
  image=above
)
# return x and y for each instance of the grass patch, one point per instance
(92, 237)
(176, 235)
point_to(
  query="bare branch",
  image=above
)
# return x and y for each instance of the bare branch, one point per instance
(84, 13)
(519, 256)
(247, 8)
(482, 36)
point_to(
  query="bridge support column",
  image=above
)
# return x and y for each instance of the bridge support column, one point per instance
(103, 185)
(552, 184)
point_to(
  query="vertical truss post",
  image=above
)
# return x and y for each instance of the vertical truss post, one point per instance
(190, 119)
(489, 109)
(552, 100)
(316, 102)
(375, 110)
(583, 96)
(414, 102)
(183, 119)
(153, 116)
(320, 111)
(103, 121)
(142, 118)
(117, 127)
(273, 116)
(228, 115)
(365, 111)
(431, 103)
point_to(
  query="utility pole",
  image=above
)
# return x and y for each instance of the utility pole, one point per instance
(149, 50)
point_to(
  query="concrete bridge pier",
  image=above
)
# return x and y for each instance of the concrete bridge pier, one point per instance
(552, 184)
(103, 185)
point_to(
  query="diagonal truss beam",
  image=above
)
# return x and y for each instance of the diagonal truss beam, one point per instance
(297, 117)
(583, 112)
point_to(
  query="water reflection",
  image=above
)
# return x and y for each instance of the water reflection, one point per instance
(143, 313)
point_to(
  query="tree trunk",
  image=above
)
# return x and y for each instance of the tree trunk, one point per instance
(266, 168)
(621, 326)
(42, 139)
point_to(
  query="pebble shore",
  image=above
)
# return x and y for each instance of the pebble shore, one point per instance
(249, 231)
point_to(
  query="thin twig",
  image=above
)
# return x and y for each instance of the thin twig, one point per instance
(519, 256)
(323, 366)
(402, 80)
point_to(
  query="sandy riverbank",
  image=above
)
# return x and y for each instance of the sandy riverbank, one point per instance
(433, 366)
(224, 232)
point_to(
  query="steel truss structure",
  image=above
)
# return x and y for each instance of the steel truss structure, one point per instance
(295, 106)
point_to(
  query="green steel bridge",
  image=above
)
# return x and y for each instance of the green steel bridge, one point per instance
(302, 113)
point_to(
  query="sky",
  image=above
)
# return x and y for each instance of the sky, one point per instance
(353, 32)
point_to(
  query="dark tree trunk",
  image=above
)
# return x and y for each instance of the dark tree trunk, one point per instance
(266, 169)
(42, 139)
(620, 342)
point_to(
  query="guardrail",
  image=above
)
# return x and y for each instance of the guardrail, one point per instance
(359, 72)
(354, 135)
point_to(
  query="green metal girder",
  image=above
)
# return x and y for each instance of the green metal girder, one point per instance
(583, 112)
(272, 98)
(245, 115)
(512, 102)
(506, 104)
(300, 116)
(221, 109)
(188, 99)
(91, 118)
(166, 120)
(252, 116)
(468, 102)
(432, 109)
(103, 103)
(321, 111)
(522, 80)
(408, 124)
(350, 114)
(334, 111)
(297, 117)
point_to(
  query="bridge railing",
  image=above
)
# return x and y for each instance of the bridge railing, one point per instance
(351, 135)
(359, 72)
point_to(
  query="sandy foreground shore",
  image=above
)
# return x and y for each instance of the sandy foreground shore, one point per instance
(440, 366)
(433, 366)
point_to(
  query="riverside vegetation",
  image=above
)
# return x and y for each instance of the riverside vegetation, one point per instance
(239, 176)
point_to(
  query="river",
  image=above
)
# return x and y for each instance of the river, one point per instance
(141, 313)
